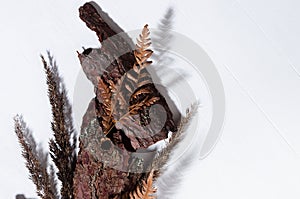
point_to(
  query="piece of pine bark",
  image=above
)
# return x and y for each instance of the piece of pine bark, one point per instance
(103, 170)
(107, 64)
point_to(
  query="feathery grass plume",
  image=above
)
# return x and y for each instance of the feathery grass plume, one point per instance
(162, 40)
(53, 181)
(172, 178)
(22, 196)
(36, 161)
(146, 190)
(163, 156)
(69, 125)
(63, 146)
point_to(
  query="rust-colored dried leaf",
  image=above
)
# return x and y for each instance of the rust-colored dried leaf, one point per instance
(146, 102)
(147, 190)
(104, 96)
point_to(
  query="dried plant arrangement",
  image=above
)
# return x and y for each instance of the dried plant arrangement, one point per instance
(127, 114)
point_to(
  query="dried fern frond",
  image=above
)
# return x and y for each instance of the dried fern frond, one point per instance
(143, 91)
(36, 162)
(138, 76)
(119, 103)
(142, 52)
(146, 191)
(115, 102)
(163, 156)
(63, 146)
(104, 96)
(133, 109)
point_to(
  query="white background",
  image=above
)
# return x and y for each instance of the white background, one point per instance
(254, 45)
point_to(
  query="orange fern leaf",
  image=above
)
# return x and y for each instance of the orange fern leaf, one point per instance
(139, 76)
(147, 190)
(133, 109)
(118, 103)
(104, 95)
(142, 52)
